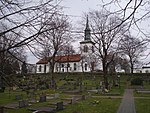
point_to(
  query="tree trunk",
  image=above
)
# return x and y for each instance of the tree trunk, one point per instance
(53, 83)
(131, 68)
(105, 75)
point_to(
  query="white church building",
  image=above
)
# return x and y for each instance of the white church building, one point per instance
(83, 62)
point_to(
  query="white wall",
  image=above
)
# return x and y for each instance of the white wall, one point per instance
(42, 68)
(59, 68)
(145, 70)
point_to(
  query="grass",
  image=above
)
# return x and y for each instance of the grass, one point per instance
(142, 105)
(141, 94)
(146, 85)
(9, 97)
(94, 105)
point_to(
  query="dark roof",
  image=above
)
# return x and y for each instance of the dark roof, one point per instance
(61, 59)
(87, 41)
(146, 67)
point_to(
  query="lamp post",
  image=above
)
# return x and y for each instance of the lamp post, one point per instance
(119, 80)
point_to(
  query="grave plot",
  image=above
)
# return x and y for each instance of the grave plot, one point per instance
(48, 109)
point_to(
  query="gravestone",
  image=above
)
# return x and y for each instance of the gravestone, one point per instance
(83, 97)
(18, 97)
(56, 95)
(73, 100)
(42, 98)
(1, 109)
(60, 106)
(23, 103)
(2, 88)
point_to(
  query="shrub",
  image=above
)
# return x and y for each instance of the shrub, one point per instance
(2, 89)
(137, 81)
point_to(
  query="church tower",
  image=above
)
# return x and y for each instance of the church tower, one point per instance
(87, 46)
(87, 50)
(87, 31)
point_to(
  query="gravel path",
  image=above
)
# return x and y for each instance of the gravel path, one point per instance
(127, 105)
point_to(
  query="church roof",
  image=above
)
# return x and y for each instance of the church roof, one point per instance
(43, 60)
(61, 59)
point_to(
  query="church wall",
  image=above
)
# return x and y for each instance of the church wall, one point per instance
(72, 67)
(42, 68)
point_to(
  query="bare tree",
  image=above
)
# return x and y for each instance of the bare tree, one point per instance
(54, 40)
(23, 18)
(10, 60)
(133, 12)
(133, 48)
(67, 50)
(106, 43)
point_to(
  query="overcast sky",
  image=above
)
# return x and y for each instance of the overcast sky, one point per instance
(76, 8)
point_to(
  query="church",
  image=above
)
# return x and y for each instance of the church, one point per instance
(83, 62)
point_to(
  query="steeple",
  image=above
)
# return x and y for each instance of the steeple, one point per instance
(87, 31)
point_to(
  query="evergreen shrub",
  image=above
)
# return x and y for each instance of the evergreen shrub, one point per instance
(137, 81)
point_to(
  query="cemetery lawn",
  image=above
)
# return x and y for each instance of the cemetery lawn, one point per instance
(93, 105)
(9, 97)
(142, 105)
(141, 95)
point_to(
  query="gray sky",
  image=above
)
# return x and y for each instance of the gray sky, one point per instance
(76, 8)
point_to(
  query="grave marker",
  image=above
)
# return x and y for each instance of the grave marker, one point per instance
(60, 106)
(23, 103)
(42, 98)
(1, 109)
(18, 97)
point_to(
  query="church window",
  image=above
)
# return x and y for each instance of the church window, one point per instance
(85, 49)
(63, 70)
(40, 68)
(68, 65)
(85, 67)
(93, 49)
(146, 71)
(44, 68)
(62, 65)
(75, 66)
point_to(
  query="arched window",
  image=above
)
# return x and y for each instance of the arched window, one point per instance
(85, 48)
(75, 66)
(85, 67)
(40, 68)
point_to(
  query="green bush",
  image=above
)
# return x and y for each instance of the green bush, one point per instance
(136, 81)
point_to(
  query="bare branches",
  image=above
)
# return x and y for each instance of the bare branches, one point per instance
(133, 48)
(25, 17)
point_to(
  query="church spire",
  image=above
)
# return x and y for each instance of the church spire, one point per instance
(87, 31)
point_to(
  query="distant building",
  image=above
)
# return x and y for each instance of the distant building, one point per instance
(144, 69)
(84, 62)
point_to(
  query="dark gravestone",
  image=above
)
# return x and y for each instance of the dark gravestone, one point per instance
(23, 103)
(1, 109)
(42, 98)
(60, 106)
(18, 97)
(2, 88)
(83, 97)
(1, 82)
